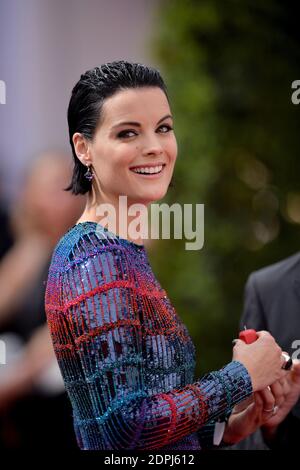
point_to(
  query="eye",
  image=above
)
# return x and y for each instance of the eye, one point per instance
(123, 134)
(169, 128)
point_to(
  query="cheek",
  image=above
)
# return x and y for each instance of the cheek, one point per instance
(172, 149)
(123, 156)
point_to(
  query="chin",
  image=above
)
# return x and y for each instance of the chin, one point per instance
(147, 197)
(157, 195)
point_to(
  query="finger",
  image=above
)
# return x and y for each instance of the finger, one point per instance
(268, 400)
(285, 383)
(296, 363)
(243, 405)
(238, 342)
(283, 374)
(277, 391)
(270, 415)
(258, 400)
(262, 333)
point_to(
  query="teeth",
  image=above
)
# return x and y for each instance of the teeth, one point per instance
(148, 170)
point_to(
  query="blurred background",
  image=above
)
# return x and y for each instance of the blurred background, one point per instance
(229, 67)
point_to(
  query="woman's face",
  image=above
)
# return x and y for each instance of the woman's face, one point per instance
(148, 141)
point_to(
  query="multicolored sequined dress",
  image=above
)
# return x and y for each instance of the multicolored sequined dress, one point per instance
(126, 358)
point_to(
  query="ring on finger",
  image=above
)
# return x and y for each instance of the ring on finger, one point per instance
(273, 410)
(269, 411)
(288, 362)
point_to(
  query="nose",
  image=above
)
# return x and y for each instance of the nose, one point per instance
(152, 147)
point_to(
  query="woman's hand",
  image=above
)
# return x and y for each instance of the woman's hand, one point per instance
(267, 410)
(291, 396)
(247, 418)
(263, 359)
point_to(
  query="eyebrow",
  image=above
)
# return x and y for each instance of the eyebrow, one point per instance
(133, 123)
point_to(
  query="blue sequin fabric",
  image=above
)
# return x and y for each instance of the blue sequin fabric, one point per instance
(126, 357)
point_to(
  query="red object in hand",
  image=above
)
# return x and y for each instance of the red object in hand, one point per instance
(248, 336)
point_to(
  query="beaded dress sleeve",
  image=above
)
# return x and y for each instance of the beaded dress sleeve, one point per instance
(126, 357)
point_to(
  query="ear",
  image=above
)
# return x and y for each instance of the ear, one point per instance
(81, 148)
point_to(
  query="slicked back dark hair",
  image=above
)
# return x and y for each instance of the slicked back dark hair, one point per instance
(88, 96)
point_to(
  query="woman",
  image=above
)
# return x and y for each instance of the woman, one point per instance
(126, 358)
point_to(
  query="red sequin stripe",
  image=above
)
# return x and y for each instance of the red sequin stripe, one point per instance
(147, 331)
(176, 329)
(65, 350)
(173, 418)
(98, 330)
(108, 326)
(166, 332)
(154, 293)
(203, 409)
(63, 347)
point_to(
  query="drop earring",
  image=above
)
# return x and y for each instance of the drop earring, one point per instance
(89, 174)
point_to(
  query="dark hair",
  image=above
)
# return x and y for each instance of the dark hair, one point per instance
(87, 98)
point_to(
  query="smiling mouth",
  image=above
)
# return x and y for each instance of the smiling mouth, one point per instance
(148, 171)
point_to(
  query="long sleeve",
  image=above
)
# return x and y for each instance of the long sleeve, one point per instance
(119, 348)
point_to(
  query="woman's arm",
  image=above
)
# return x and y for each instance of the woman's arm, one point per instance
(100, 345)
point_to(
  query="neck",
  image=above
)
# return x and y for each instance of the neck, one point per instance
(118, 217)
